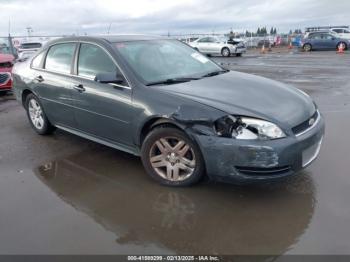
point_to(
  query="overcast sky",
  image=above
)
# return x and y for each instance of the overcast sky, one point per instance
(49, 17)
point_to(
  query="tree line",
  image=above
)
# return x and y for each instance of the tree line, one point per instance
(262, 31)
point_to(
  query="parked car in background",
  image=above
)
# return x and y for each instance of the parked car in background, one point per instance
(182, 113)
(25, 55)
(27, 49)
(323, 40)
(342, 32)
(214, 45)
(7, 58)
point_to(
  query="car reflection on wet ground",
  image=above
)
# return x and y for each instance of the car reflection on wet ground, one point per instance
(214, 219)
(62, 194)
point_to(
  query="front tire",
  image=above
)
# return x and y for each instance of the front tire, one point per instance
(307, 48)
(37, 117)
(172, 158)
(225, 52)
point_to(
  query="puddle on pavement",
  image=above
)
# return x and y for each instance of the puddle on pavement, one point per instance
(112, 188)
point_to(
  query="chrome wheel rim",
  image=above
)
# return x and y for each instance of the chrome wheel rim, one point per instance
(36, 114)
(225, 52)
(307, 48)
(172, 159)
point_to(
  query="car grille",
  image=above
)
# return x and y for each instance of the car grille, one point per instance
(301, 128)
(4, 77)
(257, 171)
(6, 65)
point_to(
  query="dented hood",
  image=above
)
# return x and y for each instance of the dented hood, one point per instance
(245, 94)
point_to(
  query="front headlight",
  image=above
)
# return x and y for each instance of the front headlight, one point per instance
(246, 128)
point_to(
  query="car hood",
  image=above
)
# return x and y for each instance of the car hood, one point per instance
(6, 58)
(245, 94)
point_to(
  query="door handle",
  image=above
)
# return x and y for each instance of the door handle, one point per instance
(39, 78)
(79, 88)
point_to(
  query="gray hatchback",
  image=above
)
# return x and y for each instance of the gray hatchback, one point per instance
(181, 112)
(324, 40)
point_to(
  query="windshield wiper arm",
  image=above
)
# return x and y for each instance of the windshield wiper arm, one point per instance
(215, 73)
(172, 81)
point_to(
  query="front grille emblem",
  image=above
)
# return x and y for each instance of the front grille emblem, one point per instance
(311, 121)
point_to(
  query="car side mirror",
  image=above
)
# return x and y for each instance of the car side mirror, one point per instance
(109, 78)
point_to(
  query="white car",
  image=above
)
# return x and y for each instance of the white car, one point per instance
(214, 45)
(342, 32)
(29, 47)
(23, 55)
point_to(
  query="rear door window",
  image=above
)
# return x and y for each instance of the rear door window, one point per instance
(204, 40)
(212, 40)
(36, 63)
(327, 36)
(60, 57)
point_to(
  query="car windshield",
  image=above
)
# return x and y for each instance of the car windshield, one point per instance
(5, 47)
(168, 61)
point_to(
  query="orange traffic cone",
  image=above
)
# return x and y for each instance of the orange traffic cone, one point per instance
(290, 45)
(263, 51)
(341, 49)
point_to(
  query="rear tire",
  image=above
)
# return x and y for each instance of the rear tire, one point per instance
(171, 158)
(225, 52)
(37, 117)
(344, 44)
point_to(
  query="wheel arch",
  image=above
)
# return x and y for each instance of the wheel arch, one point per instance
(225, 47)
(152, 123)
(24, 95)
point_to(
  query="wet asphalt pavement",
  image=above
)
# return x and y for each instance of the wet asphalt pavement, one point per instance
(62, 194)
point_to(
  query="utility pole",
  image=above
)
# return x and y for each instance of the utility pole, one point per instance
(9, 26)
(109, 28)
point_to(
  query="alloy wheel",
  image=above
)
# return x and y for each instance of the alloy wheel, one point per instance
(225, 52)
(307, 48)
(172, 159)
(36, 114)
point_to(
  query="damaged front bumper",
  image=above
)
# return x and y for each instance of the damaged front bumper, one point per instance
(249, 161)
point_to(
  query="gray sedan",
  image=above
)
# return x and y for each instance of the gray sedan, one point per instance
(183, 114)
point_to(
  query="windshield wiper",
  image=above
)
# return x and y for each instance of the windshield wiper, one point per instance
(215, 73)
(171, 81)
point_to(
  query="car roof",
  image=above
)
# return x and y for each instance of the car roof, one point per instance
(107, 38)
(320, 32)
